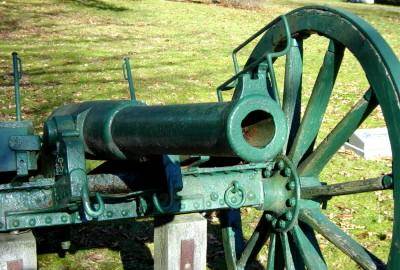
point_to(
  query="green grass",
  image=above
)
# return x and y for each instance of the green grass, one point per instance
(180, 52)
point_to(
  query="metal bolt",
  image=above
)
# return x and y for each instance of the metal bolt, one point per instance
(15, 223)
(250, 196)
(281, 224)
(48, 220)
(124, 213)
(287, 172)
(281, 164)
(288, 216)
(64, 219)
(273, 222)
(387, 181)
(291, 202)
(214, 196)
(65, 245)
(32, 222)
(291, 185)
(266, 173)
(269, 217)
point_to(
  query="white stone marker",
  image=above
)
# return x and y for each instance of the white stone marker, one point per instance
(180, 243)
(370, 143)
(18, 251)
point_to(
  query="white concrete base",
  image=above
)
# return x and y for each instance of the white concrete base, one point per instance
(371, 143)
(180, 243)
(18, 251)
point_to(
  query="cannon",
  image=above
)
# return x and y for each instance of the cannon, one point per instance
(257, 149)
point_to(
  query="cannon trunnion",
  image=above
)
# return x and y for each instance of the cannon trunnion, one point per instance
(259, 149)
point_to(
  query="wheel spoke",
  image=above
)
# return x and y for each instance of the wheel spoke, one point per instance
(318, 102)
(310, 255)
(287, 254)
(292, 89)
(340, 239)
(317, 160)
(255, 243)
(353, 187)
(271, 253)
(232, 236)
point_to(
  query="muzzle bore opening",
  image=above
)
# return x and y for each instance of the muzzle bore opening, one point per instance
(258, 128)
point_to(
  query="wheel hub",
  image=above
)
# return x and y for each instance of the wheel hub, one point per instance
(282, 195)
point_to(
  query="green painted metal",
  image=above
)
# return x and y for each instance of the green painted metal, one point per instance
(123, 130)
(17, 74)
(126, 68)
(382, 69)
(251, 151)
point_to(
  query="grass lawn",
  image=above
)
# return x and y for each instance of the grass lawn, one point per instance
(72, 51)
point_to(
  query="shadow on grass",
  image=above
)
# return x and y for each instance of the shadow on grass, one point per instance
(129, 238)
(98, 4)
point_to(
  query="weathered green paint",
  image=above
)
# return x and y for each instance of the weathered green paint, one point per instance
(234, 151)
(382, 69)
(17, 74)
(126, 68)
(312, 119)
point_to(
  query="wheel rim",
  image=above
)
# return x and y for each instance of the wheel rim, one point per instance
(382, 70)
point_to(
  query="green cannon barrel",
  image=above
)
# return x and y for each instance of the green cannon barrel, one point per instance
(124, 129)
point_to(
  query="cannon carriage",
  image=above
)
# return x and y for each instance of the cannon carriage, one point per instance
(256, 150)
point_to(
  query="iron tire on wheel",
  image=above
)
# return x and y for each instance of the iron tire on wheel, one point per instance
(345, 31)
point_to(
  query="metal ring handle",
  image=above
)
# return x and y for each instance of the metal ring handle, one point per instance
(235, 188)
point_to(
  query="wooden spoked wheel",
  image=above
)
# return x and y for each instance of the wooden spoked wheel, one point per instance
(296, 247)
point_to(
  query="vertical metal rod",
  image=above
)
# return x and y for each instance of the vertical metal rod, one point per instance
(17, 73)
(128, 76)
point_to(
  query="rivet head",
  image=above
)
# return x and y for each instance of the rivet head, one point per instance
(287, 172)
(291, 202)
(109, 214)
(221, 202)
(196, 205)
(281, 164)
(32, 222)
(208, 204)
(64, 219)
(291, 185)
(124, 213)
(233, 200)
(266, 173)
(274, 222)
(281, 223)
(250, 196)
(48, 220)
(214, 196)
(15, 223)
(288, 215)
(269, 217)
